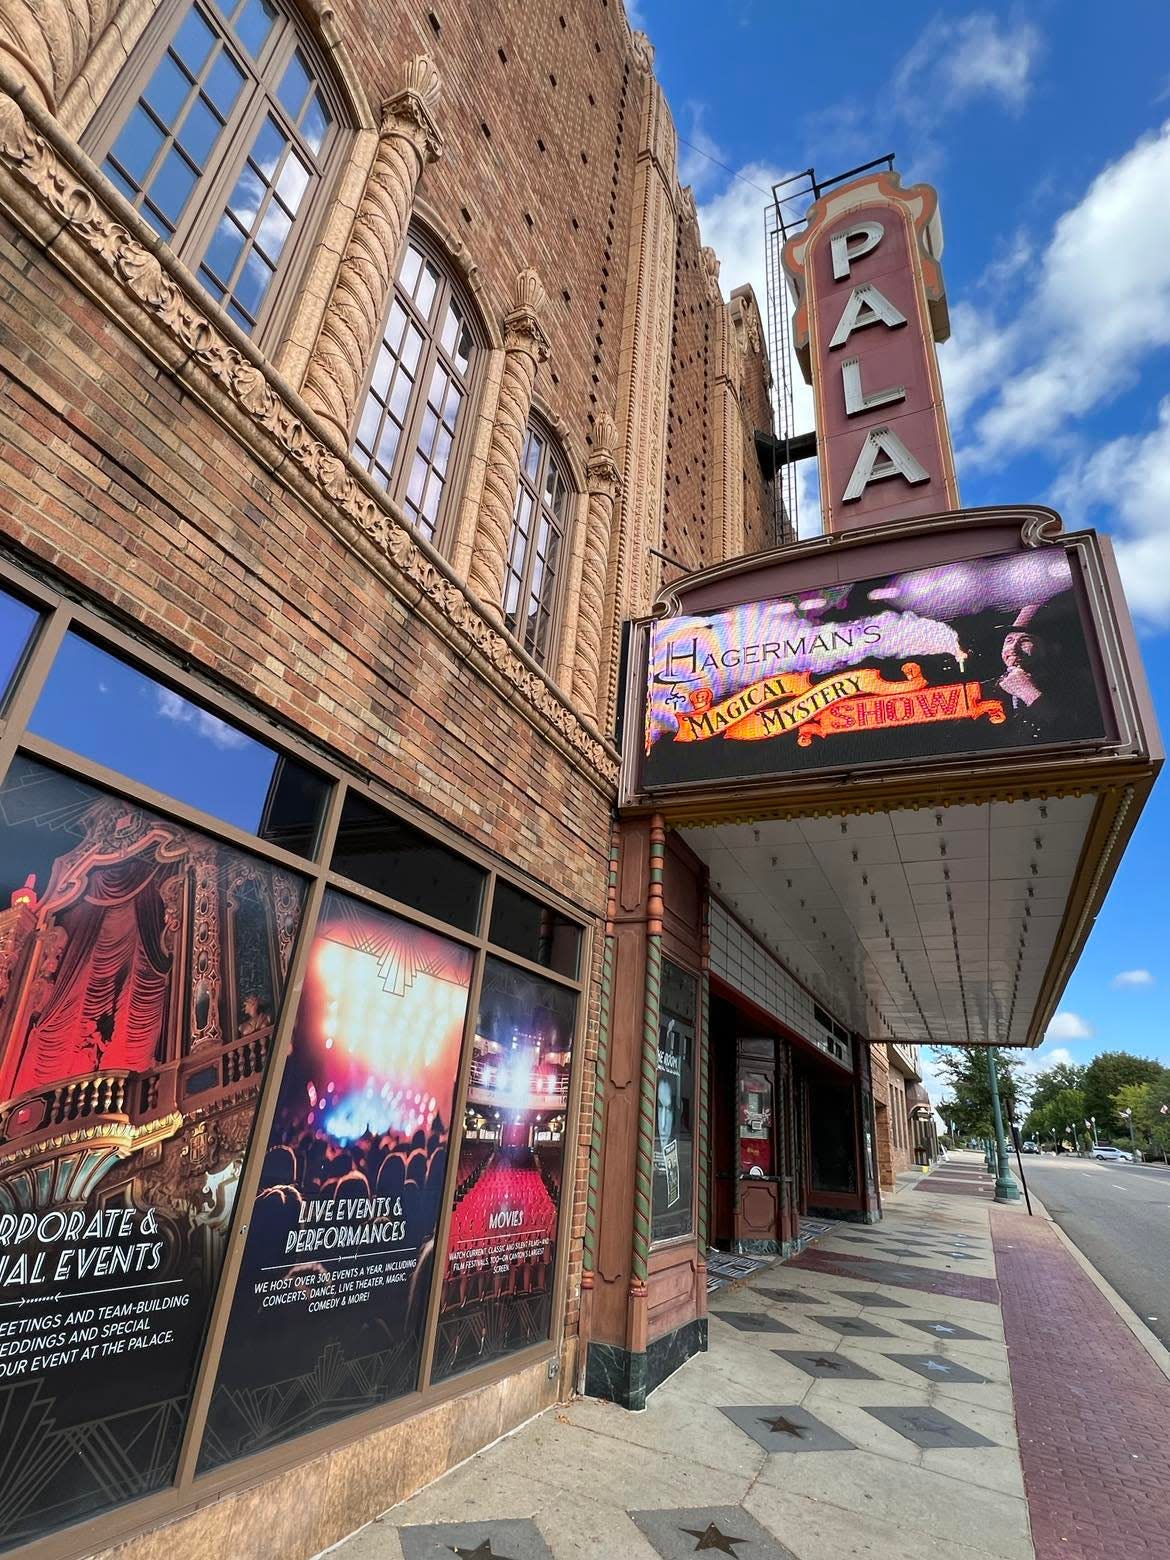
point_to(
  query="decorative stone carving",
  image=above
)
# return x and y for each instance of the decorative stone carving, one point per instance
(643, 51)
(42, 161)
(45, 43)
(603, 484)
(408, 140)
(525, 346)
(711, 270)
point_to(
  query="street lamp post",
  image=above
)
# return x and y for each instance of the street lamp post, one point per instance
(1076, 1140)
(1091, 1123)
(1006, 1189)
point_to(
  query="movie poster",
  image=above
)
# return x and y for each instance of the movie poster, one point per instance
(979, 657)
(331, 1299)
(501, 1254)
(142, 970)
(674, 1139)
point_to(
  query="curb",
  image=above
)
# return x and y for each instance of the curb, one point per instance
(1156, 1350)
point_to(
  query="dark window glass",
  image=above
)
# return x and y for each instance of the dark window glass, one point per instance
(502, 1244)
(524, 926)
(116, 715)
(145, 966)
(394, 858)
(534, 551)
(17, 621)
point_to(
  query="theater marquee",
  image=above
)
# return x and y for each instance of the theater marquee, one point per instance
(983, 658)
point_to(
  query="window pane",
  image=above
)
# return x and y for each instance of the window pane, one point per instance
(396, 859)
(294, 88)
(193, 41)
(427, 286)
(274, 229)
(171, 186)
(254, 24)
(200, 131)
(315, 125)
(118, 716)
(533, 449)
(247, 198)
(411, 266)
(224, 249)
(501, 1260)
(167, 91)
(400, 395)
(535, 931)
(252, 283)
(368, 427)
(224, 80)
(135, 1077)
(138, 145)
(351, 1188)
(450, 329)
(293, 182)
(17, 622)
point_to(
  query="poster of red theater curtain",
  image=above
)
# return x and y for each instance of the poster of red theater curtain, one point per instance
(501, 1254)
(142, 971)
(331, 1300)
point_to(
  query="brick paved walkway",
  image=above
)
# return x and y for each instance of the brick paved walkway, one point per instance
(1092, 1407)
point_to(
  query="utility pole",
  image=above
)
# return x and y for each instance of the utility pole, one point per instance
(1006, 1189)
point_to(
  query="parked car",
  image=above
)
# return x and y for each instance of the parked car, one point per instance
(1029, 1148)
(1112, 1155)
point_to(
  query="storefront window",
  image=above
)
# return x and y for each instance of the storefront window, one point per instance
(535, 931)
(832, 1150)
(17, 622)
(501, 1255)
(331, 1299)
(672, 1208)
(385, 853)
(116, 715)
(143, 967)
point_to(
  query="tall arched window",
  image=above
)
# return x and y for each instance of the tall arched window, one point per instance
(413, 408)
(539, 526)
(222, 132)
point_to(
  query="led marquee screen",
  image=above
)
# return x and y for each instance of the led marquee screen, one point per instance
(976, 657)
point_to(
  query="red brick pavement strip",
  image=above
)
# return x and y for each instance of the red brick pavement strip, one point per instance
(1092, 1407)
(957, 1286)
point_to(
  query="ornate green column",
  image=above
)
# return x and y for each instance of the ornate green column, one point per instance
(1006, 1189)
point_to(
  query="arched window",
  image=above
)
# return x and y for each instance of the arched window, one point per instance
(222, 132)
(413, 408)
(539, 526)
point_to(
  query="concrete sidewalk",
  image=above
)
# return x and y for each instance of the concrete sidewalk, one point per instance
(857, 1401)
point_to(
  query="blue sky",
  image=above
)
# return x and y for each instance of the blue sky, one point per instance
(1048, 138)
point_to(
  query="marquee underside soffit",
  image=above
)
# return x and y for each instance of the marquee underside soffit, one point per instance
(935, 925)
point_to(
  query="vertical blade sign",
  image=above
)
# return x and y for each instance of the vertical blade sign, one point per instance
(870, 307)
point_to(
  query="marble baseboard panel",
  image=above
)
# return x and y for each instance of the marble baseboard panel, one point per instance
(845, 1215)
(627, 1378)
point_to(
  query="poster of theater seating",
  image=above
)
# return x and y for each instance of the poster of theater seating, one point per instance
(974, 657)
(497, 1292)
(142, 969)
(331, 1300)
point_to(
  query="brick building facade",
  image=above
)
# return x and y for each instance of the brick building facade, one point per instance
(219, 225)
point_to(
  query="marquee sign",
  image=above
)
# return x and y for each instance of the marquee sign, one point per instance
(980, 657)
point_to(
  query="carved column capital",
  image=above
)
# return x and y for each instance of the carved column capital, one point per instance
(408, 140)
(602, 472)
(525, 347)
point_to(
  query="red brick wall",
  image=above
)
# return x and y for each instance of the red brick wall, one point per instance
(686, 505)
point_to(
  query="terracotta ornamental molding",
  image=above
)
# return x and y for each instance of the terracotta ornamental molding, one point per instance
(525, 347)
(46, 166)
(408, 139)
(604, 484)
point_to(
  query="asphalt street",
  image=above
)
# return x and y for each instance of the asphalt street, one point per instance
(1119, 1216)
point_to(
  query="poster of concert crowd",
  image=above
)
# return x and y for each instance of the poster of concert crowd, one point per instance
(497, 1290)
(142, 972)
(331, 1300)
(979, 656)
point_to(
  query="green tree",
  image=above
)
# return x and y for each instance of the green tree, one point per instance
(1106, 1075)
(1054, 1080)
(968, 1102)
(1145, 1100)
(1055, 1115)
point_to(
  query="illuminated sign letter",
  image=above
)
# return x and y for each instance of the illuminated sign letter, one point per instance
(867, 305)
(897, 462)
(844, 250)
(856, 399)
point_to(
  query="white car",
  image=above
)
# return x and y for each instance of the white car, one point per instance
(1112, 1155)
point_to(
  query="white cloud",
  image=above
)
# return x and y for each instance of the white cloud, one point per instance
(171, 706)
(959, 59)
(700, 155)
(1068, 1026)
(1133, 978)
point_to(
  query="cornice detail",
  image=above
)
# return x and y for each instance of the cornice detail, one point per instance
(252, 389)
